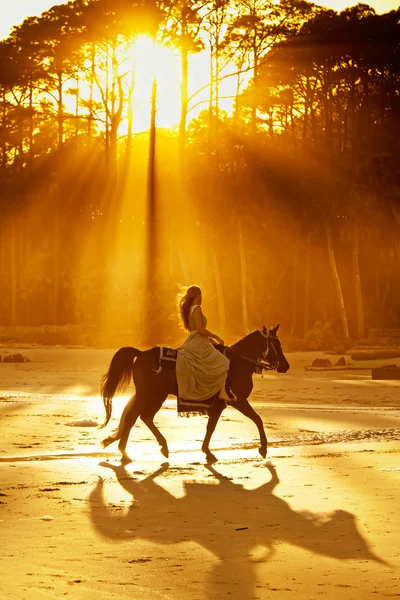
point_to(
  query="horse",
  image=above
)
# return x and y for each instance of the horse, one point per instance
(258, 350)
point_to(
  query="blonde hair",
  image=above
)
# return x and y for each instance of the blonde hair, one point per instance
(184, 301)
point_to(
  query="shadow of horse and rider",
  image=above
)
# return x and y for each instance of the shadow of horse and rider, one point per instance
(229, 521)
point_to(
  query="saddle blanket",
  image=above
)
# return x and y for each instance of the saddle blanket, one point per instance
(168, 357)
(186, 408)
(189, 408)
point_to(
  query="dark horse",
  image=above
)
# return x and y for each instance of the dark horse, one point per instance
(260, 349)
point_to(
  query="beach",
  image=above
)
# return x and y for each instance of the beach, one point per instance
(317, 519)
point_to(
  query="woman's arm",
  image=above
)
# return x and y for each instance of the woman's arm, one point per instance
(198, 319)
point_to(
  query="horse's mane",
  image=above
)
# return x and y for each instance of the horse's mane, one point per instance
(243, 340)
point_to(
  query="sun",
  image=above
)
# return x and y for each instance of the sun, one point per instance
(152, 61)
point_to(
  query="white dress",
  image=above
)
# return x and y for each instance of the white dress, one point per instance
(201, 370)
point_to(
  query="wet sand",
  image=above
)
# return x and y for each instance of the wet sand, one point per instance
(320, 522)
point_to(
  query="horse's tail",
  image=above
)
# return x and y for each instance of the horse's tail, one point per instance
(118, 377)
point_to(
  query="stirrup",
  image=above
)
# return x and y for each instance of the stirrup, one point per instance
(232, 399)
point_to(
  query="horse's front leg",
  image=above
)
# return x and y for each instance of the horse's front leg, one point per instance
(213, 417)
(244, 407)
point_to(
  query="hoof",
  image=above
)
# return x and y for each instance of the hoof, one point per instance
(211, 458)
(263, 451)
(107, 441)
(164, 451)
(125, 459)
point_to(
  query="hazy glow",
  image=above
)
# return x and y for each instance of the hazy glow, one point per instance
(149, 61)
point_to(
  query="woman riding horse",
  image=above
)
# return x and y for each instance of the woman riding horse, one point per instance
(201, 370)
(260, 349)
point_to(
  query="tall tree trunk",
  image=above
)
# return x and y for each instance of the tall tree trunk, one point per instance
(211, 107)
(14, 271)
(357, 281)
(20, 144)
(184, 100)
(217, 69)
(77, 106)
(236, 109)
(243, 278)
(295, 277)
(306, 107)
(255, 84)
(216, 121)
(115, 121)
(152, 302)
(3, 260)
(130, 117)
(117, 104)
(338, 287)
(91, 88)
(184, 85)
(107, 108)
(307, 284)
(293, 128)
(30, 155)
(387, 280)
(54, 317)
(60, 109)
(22, 252)
(327, 103)
(3, 137)
(220, 296)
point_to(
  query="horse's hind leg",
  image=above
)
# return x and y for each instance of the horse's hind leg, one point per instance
(118, 432)
(244, 407)
(130, 419)
(213, 417)
(147, 417)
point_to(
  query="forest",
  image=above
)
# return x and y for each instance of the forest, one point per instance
(284, 209)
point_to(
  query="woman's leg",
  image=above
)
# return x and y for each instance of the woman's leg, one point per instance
(226, 394)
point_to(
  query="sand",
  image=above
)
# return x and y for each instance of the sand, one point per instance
(319, 519)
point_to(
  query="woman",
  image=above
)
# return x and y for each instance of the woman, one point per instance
(201, 370)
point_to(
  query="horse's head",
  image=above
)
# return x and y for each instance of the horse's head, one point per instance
(263, 344)
(274, 353)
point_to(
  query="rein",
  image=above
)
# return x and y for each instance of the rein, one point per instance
(258, 363)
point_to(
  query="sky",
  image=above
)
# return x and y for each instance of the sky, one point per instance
(13, 12)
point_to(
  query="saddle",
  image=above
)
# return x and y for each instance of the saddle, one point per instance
(167, 358)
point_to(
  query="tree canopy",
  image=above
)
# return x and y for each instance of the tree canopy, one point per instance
(285, 208)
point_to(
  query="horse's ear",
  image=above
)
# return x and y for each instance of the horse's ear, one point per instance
(275, 329)
(264, 329)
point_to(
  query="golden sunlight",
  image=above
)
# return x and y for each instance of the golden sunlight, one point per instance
(152, 61)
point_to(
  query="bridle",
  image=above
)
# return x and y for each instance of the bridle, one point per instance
(261, 364)
(269, 337)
